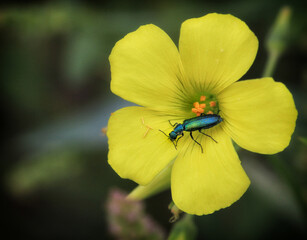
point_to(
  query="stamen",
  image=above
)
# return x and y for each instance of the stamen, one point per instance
(148, 127)
(209, 112)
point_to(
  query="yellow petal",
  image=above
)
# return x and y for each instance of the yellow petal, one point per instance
(137, 149)
(146, 69)
(259, 114)
(216, 50)
(202, 183)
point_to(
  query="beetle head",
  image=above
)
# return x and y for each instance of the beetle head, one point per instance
(172, 135)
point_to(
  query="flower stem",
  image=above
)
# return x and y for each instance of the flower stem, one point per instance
(277, 40)
(184, 229)
(271, 63)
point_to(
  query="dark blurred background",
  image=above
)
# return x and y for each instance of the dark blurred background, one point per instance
(56, 97)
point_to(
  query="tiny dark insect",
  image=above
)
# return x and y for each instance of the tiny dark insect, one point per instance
(193, 124)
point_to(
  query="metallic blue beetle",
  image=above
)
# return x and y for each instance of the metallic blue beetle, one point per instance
(193, 124)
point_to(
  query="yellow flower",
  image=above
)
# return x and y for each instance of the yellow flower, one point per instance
(214, 52)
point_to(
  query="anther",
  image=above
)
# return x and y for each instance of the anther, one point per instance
(196, 104)
(194, 110)
(202, 98)
(202, 105)
(198, 111)
(207, 104)
(212, 104)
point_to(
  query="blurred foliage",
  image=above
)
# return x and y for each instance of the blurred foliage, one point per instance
(303, 140)
(278, 37)
(56, 98)
(66, 50)
(277, 40)
(41, 171)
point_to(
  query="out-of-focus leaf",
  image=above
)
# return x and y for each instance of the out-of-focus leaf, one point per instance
(43, 170)
(84, 54)
(303, 140)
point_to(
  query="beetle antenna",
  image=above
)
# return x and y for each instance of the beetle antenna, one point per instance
(163, 133)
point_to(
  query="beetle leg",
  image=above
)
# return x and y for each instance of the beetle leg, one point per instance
(197, 142)
(175, 144)
(208, 136)
(173, 125)
(178, 139)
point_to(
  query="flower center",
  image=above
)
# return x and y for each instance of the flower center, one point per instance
(207, 104)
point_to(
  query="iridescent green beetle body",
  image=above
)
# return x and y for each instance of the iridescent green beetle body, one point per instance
(194, 124)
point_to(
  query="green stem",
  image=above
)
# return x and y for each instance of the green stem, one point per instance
(188, 217)
(184, 229)
(271, 63)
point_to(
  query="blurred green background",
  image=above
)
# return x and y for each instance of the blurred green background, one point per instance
(56, 97)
